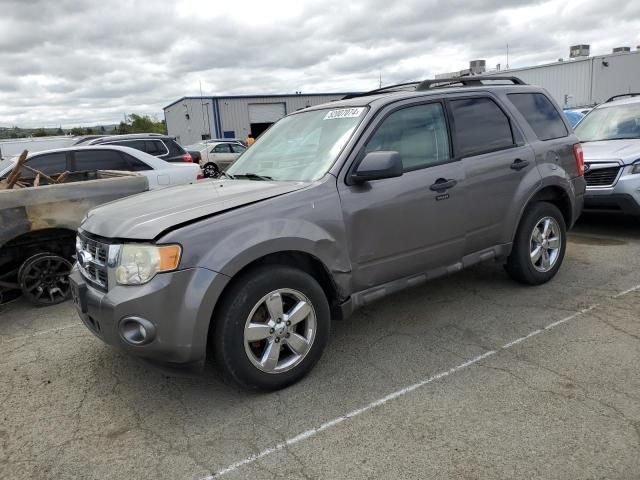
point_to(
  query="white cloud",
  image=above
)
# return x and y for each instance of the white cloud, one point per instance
(75, 62)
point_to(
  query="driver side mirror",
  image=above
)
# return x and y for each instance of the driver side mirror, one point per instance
(378, 165)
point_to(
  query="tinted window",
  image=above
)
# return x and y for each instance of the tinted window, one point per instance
(136, 165)
(174, 148)
(480, 126)
(155, 148)
(92, 160)
(539, 112)
(418, 134)
(137, 144)
(49, 164)
(235, 148)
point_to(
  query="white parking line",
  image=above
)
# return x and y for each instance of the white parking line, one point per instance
(398, 393)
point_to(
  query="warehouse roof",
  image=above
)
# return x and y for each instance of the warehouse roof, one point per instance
(220, 97)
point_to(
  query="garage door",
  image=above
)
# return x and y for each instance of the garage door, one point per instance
(265, 112)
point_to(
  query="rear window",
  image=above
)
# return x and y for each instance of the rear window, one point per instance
(155, 148)
(480, 126)
(545, 120)
(174, 148)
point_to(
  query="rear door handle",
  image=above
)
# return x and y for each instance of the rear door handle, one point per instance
(519, 164)
(443, 184)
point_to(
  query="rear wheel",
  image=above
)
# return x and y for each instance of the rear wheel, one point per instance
(539, 246)
(44, 279)
(211, 170)
(271, 328)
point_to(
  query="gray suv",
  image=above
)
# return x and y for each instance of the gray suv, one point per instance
(332, 208)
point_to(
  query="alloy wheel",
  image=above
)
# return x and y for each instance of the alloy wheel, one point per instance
(546, 242)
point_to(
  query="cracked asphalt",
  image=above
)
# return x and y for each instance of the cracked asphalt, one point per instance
(562, 404)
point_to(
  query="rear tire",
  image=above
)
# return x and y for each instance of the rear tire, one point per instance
(539, 246)
(270, 328)
(44, 279)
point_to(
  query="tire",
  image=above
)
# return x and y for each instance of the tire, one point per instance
(210, 170)
(524, 265)
(246, 302)
(44, 279)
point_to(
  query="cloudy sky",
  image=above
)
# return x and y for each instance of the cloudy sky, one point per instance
(71, 62)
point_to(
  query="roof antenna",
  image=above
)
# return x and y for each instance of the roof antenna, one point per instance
(507, 56)
(380, 80)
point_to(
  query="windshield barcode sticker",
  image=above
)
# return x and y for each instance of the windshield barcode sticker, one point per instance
(344, 113)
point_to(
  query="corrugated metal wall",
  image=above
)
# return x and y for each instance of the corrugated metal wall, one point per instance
(190, 130)
(234, 112)
(585, 81)
(227, 114)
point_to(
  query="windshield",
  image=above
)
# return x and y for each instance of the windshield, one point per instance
(300, 147)
(610, 123)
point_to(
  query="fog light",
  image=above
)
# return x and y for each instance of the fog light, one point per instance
(137, 331)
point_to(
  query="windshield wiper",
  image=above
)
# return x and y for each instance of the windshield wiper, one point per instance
(227, 175)
(252, 176)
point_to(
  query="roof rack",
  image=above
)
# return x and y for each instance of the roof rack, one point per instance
(470, 81)
(399, 87)
(611, 99)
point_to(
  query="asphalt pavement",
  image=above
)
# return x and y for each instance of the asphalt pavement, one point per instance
(467, 377)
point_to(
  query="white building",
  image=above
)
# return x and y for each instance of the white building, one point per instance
(192, 119)
(581, 80)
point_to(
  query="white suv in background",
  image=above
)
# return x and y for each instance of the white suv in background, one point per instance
(610, 136)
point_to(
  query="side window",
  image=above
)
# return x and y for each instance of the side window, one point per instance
(155, 148)
(480, 126)
(174, 148)
(92, 160)
(418, 134)
(135, 165)
(221, 148)
(540, 114)
(137, 144)
(235, 148)
(49, 164)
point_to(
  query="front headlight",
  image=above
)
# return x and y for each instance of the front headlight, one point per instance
(139, 263)
(635, 168)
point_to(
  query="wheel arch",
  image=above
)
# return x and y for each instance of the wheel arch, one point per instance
(55, 239)
(553, 194)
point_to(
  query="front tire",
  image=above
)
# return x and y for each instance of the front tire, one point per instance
(211, 170)
(270, 328)
(539, 246)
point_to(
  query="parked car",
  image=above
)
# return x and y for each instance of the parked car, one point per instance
(38, 229)
(610, 136)
(161, 146)
(574, 117)
(332, 208)
(159, 173)
(216, 157)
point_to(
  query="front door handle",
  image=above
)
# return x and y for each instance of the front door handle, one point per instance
(443, 184)
(519, 164)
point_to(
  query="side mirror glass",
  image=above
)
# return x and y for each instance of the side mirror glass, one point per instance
(378, 165)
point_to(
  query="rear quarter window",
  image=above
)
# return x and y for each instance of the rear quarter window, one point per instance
(541, 115)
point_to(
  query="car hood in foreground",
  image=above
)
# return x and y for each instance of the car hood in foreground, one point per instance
(626, 150)
(145, 216)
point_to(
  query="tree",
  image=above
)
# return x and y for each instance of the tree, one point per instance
(59, 131)
(145, 124)
(77, 131)
(41, 132)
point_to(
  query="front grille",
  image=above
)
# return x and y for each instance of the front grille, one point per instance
(602, 177)
(92, 261)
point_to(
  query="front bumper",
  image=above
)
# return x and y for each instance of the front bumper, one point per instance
(178, 306)
(622, 197)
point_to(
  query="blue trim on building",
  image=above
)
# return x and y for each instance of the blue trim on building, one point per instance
(218, 122)
(224, 97)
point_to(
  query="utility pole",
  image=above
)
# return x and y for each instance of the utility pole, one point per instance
(507, 56)
(380, 79)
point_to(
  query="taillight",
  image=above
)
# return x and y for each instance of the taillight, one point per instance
(200, 177)
(187, 158)
(579, 154)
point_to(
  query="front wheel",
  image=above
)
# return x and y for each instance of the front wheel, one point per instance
(270, 328)
(539, 246)
(211, 170)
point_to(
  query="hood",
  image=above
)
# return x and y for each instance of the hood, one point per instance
(147, 215)
(626, 150)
